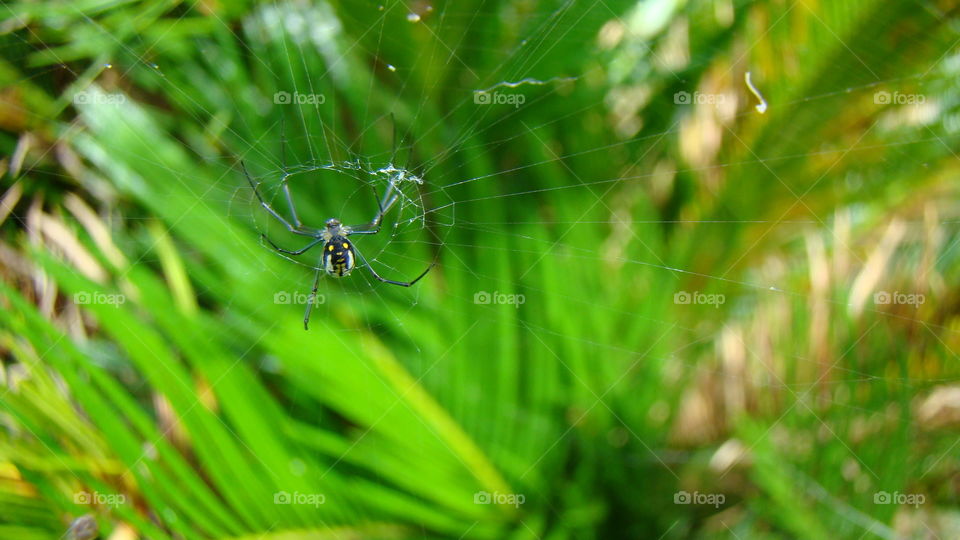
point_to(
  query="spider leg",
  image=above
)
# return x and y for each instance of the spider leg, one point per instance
(362, 231)
(286, 185)
(389, 197)
(390, 281)
(310, 300)
(374, 226)
(289, 252)
(293, 210)
(383, 206)
(296, 229)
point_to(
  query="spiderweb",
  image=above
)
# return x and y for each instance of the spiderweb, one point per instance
(487, 164)
(430, 203)
(432, 191)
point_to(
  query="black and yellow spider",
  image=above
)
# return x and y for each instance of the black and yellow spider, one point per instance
(339, 256)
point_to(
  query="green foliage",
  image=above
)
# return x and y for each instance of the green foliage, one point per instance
(153, 382)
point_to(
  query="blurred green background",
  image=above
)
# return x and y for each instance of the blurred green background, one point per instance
(657, 312)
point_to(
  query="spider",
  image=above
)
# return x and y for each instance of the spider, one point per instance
(339, 256)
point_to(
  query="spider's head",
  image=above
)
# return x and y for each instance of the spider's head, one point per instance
(333, 223)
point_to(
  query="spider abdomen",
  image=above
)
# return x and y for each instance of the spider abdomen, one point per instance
(338, 257)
